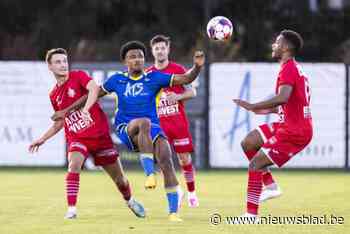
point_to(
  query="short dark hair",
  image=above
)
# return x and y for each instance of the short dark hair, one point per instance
(51, 52)
(132, 45)
(294, 39)
(160, 38)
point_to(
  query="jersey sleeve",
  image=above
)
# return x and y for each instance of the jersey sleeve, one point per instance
(288, 75)
(109, 85)
(162, 79)
(181, 69)
(84, 79)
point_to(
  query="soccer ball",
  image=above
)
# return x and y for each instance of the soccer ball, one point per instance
(219, 28)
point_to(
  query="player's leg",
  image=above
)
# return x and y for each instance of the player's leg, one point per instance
(181, 140)
(163, 155)
(188, 171)
(257, 167)
(251, 144)
(75, 162)
(139, 131)
(116, 172)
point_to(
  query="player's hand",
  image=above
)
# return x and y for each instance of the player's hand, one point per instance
(34, 147)
(244, 104)
(173, 97)
(198, 58)
(58, 115)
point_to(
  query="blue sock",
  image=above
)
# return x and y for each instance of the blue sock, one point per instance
(147, 163)
(173, 199)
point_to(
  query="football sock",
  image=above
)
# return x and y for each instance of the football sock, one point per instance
(254, 191)
(188, 172)
(268, 180)
(147, 163)
(72, 187)
(173, 199)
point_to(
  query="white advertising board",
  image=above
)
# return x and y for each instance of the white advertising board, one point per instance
(25, 112)
(254, 82)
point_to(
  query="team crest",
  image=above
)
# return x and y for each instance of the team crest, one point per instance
(71, 92)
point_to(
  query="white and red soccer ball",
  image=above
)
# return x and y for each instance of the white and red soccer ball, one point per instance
(219, 28)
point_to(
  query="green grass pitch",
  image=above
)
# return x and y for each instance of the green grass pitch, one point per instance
(32, 201)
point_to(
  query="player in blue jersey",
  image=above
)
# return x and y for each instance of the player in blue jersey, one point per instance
(136, 122)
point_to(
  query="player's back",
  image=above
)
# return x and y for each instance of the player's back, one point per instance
(295, 114)
(65, 95)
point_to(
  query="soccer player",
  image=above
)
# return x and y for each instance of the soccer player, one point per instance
(172, 115)
(86, 131)
(136, 121)
(279, 142)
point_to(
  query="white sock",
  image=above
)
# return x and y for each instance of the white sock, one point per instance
(72, 209)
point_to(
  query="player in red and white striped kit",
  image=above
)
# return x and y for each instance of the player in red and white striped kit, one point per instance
(86, 131)
(171, 112)
(279, 142)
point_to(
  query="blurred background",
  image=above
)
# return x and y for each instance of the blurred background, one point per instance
(93, 31)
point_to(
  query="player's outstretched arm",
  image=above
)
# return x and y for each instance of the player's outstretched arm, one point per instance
(281, 98)
(58, 115)
(266, 111)
(53, 130)
(190, 75)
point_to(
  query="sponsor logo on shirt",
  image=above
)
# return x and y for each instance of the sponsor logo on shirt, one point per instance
(181, 142)
(167, 107)
(75, 122)
(133, 90)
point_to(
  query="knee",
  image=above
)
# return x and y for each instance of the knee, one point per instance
(254, 165)
(184, 159)
(145, 124)
(247, 144)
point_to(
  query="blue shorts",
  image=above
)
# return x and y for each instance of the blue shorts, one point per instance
(122, 132)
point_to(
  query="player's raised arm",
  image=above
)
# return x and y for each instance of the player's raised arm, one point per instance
(190, 75)
(55, 128)
(281, 98)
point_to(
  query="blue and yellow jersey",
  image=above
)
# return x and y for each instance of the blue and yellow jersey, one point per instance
(136, 95)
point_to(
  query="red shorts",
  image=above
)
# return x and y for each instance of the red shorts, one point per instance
(178, 135)
(280, 144)
(101, 149)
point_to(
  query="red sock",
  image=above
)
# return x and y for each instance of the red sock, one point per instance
(188, 171)
(267, 178)
(72, 187)
(254, 191)
(125, 190)
(250, 154)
